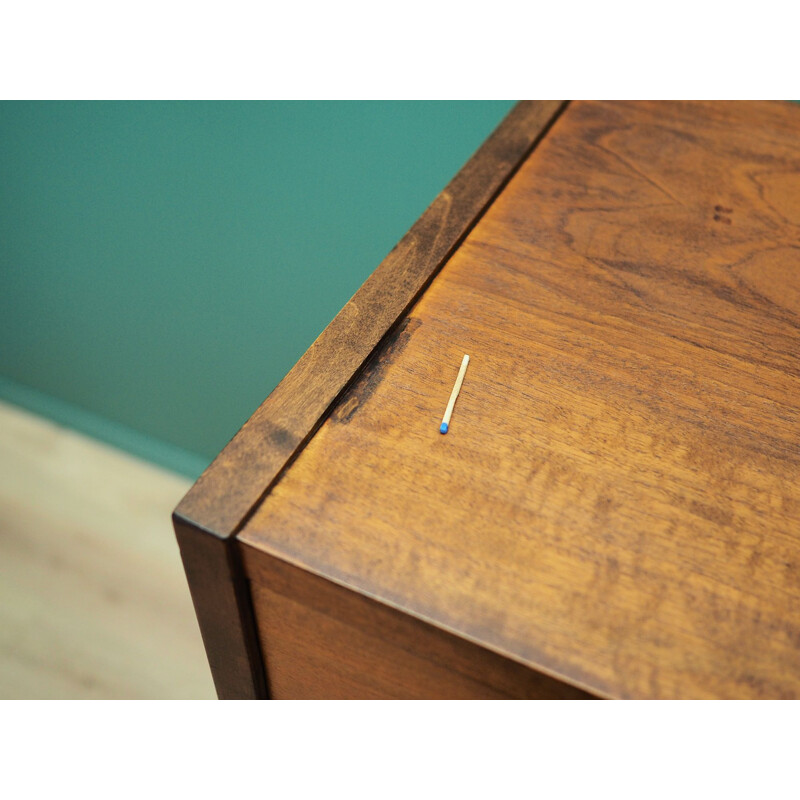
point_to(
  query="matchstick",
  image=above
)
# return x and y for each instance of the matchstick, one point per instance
(453, 395)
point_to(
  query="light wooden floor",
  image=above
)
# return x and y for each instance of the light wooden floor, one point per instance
(93, 601)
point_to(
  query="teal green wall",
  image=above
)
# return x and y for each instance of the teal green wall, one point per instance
(162, 265)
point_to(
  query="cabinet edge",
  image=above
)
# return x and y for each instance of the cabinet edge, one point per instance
(217, 506)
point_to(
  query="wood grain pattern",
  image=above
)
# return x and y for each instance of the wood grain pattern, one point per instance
(240, 476)
(617, 502)
(322, 641)
(235, 481)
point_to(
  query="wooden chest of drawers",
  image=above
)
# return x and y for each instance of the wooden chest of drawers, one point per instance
(615, 510)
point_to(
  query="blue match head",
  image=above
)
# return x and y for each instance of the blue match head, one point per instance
(443, 427)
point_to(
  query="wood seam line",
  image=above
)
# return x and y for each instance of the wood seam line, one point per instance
(185, 508)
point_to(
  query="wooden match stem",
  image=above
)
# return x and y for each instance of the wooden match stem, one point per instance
(454, 394)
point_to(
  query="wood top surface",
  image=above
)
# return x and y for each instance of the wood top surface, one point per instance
(244, 471)
(617, 502)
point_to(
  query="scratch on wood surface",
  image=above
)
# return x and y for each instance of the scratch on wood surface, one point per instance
(374, 371)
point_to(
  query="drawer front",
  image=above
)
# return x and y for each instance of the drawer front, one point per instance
(323, 641)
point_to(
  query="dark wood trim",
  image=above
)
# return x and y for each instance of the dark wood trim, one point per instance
(219, 503)
(238, 478)
(221, 600)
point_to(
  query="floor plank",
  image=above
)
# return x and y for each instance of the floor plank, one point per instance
(93, 600)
